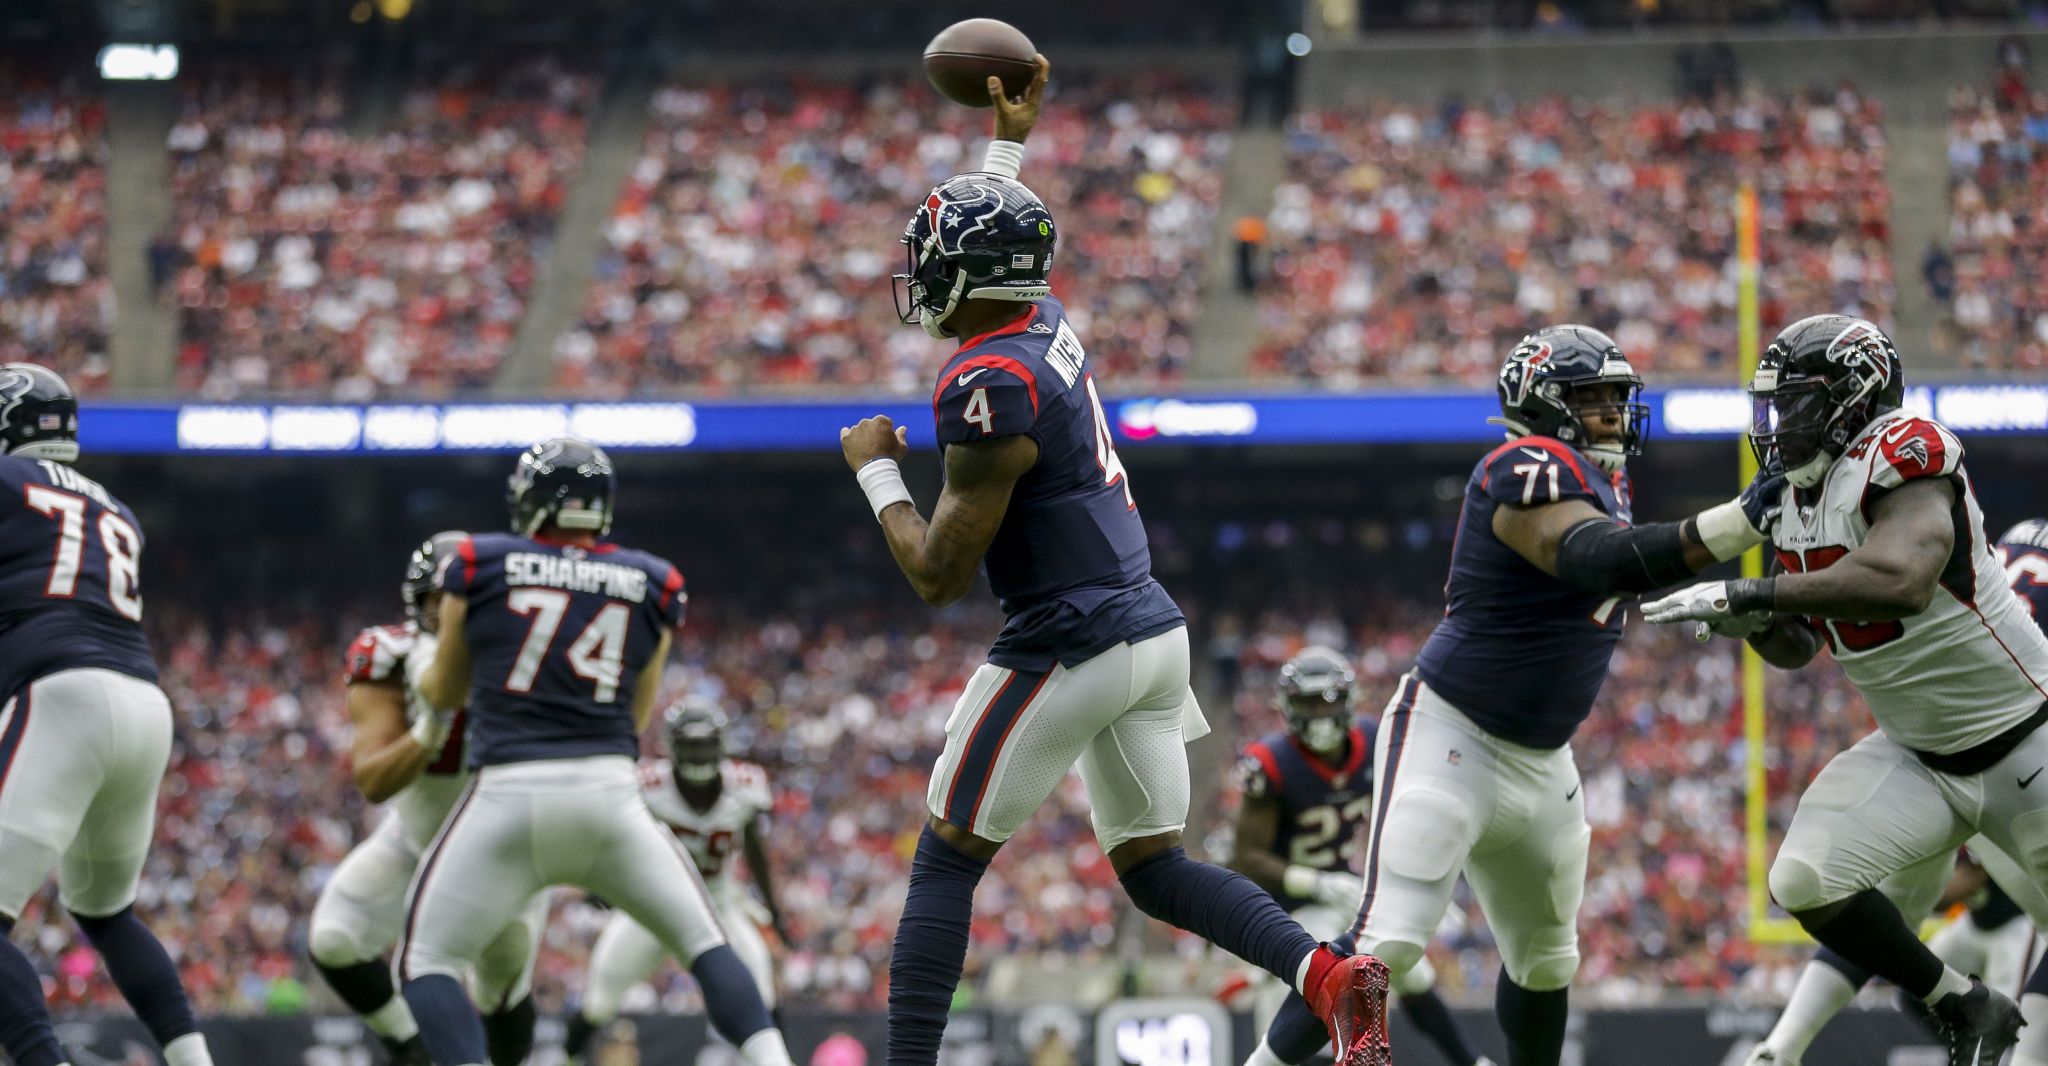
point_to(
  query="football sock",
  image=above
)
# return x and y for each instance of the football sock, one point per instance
(1295, 1034)
(1868, 932)
(188, 1050)
(1428, 1012)
(143, 971)
(449, 1025)
(368, 990)
(731, 999)
(25, 1029)
(1533, 1021)
(508, 1034)
(2033, 1045)
(765, 1048)
(930, 948)
(1263, 1055)
(577, 1038)
(1823, 990)
(1223, 908)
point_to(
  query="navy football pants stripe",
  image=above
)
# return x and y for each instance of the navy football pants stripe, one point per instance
(985, 743)
(10, 741)
(1398, 720)
(426, 871)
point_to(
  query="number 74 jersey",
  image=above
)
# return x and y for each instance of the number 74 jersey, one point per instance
(1971, 665)
(70, 576)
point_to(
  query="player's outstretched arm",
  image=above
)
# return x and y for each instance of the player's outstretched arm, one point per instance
(1251, 849)
(940, 557)
(386, 756)
(648, 687)
(1576, 542)
(446, 681)
(754, 847)
(1016, 116)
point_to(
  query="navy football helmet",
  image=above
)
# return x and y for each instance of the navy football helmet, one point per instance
(695, 727)
(2032, 533)
(978, 237)
(1537, 381)
(38, 414)
(1315, 695)
(420, 572)
(563, 481)
(1820, 382)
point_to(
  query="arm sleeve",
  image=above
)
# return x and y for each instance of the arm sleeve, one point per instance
(980, 400)
(673, 599)
(1529, 474)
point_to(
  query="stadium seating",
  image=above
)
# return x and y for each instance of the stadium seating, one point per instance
(1415, 244)
(321, 263)
(753, 242)
(1993, 275)
(55, 299)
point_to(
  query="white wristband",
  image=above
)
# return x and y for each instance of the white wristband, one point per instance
(430, 730)
(1004, 157)
(882, 480)
(1300, 881)
(1726, 531)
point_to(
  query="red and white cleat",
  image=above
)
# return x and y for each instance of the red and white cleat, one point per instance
(1350, 995)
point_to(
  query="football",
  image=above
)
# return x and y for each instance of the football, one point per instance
(961, 58)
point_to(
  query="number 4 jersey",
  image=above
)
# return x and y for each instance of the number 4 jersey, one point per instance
(1971, 665)
(1070, 562)
(558, 635)
(70, 595)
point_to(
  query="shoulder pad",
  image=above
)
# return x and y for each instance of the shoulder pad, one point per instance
(1536, 470)
(377, 653)
(1258, 771)
(985, 396)
(1912, 448)
(672, 599)
(458, 568)
(654, 775)
(750, 784)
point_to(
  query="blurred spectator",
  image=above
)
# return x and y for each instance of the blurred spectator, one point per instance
(1250, 232)
(1415, 245)
(56, 302)
(1996, 298)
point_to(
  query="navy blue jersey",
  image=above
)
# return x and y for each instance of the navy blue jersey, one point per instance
(1070, 562)
(2026, 568)
(70, 576)
(1323, 807)
(558, 636)
(1520, 652)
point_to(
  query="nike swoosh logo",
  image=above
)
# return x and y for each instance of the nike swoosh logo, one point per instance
(1573, 794)
(970, 375)
(2029, 779)
(1537, 454)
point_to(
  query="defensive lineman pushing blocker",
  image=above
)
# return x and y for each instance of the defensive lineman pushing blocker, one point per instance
(410, 754)
(85, 733)
(1474, 765)
(555, 640)
(1885, 558)
(1300, 835)
(1092, 663)
(715, 805)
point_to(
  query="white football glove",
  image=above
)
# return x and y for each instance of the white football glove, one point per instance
(1340, 890)
(1713, 601)
(430, 724)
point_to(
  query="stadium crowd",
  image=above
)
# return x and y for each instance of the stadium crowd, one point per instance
(1992, 278)
(309, 258)
(752, 243)
(846, 715)
(55, 301)
(1416, 243)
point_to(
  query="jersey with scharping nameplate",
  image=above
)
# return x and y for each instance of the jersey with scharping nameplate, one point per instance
(1070, 562)
(1520, 652)
(396, 654)
(70, 577)
(1323, 807)
(1971, 665)
(558, 636)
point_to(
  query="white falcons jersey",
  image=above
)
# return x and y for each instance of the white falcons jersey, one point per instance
(712, 836)
(1971, 665)
(402, 653)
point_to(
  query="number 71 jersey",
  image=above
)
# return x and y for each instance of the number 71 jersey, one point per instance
(1070, 561)
(1971, 665)
(70, 576)
(558, 635)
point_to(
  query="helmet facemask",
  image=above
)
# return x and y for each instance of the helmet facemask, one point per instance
(1320, 718)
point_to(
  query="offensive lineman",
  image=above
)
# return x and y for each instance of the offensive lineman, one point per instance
(555, 640)
(409, 754)
(1092, 662)
(1885, 559)
(1307, 791)
(716, 805)
(1996, 938)
(85, 734)
(1473, 764)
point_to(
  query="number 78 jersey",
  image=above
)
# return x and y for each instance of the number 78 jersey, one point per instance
(70, 576)
(1070, 561)
(1971, 665)
(558, 636)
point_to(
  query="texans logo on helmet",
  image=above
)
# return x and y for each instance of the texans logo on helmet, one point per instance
(947, 216)
(14, 384)
(1518, 374)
